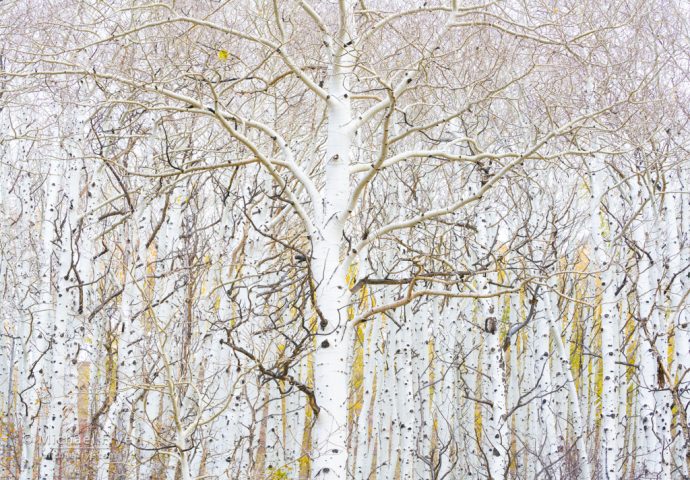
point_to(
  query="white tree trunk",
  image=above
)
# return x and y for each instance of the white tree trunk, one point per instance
(604, 260)
(563, 358)
(331, 371)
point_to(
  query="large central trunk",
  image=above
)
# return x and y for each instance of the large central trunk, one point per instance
(331, 375)
(331, 371)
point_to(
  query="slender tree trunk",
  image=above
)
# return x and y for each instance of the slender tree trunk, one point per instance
(367, 417)
(56, 323)
(545, 441)
(604, 260)
(652, 434)
(497, 435)
(676, 258)
(563, 358)
(128, 354)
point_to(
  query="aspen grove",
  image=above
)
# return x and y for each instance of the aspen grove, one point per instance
(344, 239)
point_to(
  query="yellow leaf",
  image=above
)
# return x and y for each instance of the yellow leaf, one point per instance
(223, 54)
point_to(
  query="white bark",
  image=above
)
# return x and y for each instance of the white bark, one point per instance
(654, 431)
(331, 373)
(604, 260)
(53, 324)
(563, 358)
(544, 443)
